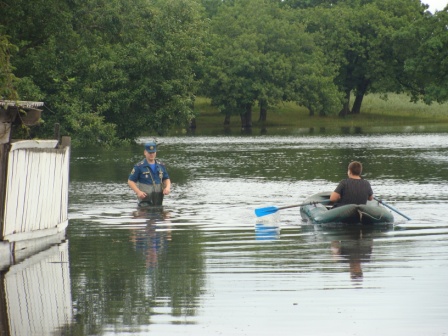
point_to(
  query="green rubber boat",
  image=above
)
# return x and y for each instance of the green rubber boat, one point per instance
(316, 212)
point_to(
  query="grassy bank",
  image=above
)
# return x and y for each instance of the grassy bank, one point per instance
(397, 110)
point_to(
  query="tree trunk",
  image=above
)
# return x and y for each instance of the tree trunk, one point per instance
(357, 104)
(346, 108)
(243, 120)
(193, 120)
(227, 119)
(246, 117)
(263, 112)
(193, 123)
(311, 114)
(360, 93)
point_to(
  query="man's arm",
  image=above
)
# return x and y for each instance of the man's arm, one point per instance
(167, 186)
(140, 194)
(334, 197)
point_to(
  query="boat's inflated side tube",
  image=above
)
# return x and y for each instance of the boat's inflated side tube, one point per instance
(347, 214)
(369, 214)
(308, 212)
(374, 215)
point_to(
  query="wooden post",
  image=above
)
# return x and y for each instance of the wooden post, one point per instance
(5, 139)
(57, 133)
(4, 323)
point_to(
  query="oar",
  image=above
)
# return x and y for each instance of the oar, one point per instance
(391, 207)
(273, 209)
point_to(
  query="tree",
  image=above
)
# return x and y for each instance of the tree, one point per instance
(158, 52)
(426, 65)
(259, 53)
(107, 71)
(359, 37)
(7, 78)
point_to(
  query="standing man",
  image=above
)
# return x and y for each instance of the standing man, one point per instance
(354, 189)
(149, 178)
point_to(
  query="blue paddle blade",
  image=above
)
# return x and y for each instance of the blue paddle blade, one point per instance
(265, 211)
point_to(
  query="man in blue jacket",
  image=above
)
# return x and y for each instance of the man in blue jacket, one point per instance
(149, 178)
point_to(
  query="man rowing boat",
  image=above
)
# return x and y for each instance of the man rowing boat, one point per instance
(354, 189)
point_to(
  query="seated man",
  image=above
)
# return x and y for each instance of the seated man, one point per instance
(354, 189)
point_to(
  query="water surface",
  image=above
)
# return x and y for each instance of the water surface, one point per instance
(204, 264)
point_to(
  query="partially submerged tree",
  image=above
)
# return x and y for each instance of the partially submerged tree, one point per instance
(360, 39)
(260, 53)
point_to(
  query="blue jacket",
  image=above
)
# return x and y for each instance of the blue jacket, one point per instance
(144, 173)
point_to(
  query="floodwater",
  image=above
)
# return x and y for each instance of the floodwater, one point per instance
(204, 264)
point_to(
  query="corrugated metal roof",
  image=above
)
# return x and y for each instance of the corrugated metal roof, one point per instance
(21, 103)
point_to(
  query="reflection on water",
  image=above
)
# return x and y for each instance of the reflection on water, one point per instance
(36, 296)
(265, 232)
(203, 264)
(356, 251)
(149, 241)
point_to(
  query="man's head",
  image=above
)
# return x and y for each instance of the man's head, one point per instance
(151, 147)
(355, 168)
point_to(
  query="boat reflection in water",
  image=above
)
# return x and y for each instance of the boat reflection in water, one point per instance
(35, 295)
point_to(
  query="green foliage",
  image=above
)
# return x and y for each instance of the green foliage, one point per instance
(112, 71)
(360, 39)
(28, 90)
(259, 53)
(7, 78)
(426, 68)
(115, 69)
(309, 3)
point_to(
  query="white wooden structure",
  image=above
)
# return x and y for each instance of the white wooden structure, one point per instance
(36, 190)
(34, 179)
(36, 298)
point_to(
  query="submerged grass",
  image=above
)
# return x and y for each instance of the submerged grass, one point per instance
(377, 111)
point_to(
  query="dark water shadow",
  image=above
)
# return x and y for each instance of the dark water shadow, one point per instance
(352, 245)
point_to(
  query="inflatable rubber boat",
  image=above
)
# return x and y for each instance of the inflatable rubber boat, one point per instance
(317, 211)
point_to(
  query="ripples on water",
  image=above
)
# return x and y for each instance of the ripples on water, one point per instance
(276, 274)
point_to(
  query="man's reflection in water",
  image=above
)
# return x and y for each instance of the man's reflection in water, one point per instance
(152, 240)
(356, 252)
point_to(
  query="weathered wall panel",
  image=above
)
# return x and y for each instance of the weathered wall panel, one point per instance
(37, 187)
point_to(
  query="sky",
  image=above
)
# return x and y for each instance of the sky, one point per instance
(435, 4)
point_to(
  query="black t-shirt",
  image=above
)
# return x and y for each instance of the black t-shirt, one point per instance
(353, 191)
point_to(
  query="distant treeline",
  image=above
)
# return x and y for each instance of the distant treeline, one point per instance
(109, 71)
